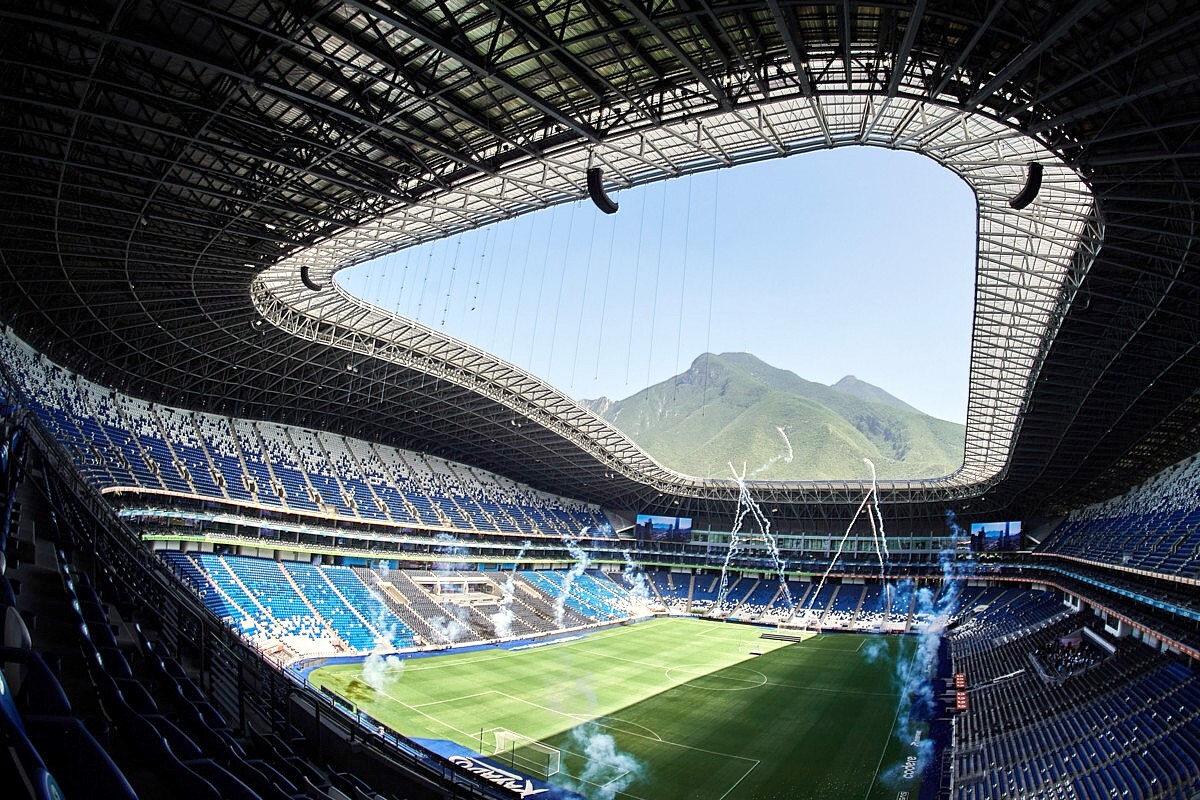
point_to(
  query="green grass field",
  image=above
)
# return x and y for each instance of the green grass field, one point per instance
(690, 712)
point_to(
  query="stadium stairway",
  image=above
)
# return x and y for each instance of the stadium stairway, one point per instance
(399, 594)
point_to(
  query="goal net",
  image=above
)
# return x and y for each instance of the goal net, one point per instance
(526, 754)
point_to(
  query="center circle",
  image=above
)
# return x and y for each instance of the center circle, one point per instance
(702, 676)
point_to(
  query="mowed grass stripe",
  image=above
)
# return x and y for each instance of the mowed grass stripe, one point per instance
(706, 720)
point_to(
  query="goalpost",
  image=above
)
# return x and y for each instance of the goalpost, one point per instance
(527, 754)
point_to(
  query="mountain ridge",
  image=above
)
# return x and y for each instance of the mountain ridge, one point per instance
(866, 391)
(730, 408)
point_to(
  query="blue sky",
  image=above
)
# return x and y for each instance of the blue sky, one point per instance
(853, 261)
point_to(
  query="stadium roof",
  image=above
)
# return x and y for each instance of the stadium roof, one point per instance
(180, 179)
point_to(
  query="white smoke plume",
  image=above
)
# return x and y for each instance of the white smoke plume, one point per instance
(607, 771)
(877, 534)
(453, 625)
(786, 457)
(747, 506)
(914, 676)
(380, 670)
(640, 590)
(582, 562)
(873, 650)
(502, 620)
(875, 517)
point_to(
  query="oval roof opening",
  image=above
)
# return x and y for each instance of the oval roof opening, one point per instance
(792, 316)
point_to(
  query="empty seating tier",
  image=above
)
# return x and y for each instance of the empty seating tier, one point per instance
(1153, 527)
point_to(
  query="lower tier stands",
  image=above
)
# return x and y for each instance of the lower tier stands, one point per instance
(95, 701)
(298, 608)
(849, 606)
(1121, 722)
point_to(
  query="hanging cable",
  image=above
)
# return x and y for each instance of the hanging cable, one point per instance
(637, 273)
(662, 211)
(425, 277)
(712, 280)
(494, 296)
(476, 261)
(587, 275)
(687, 229)
(612, 236)
(450, 279)
(517, 315)
(406, 279)
(537, 316)
(494, 247)
(562, 279)
(478, 254)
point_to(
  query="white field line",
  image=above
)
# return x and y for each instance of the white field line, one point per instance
(739, 780)
(450, 699)
(891, 730)
(640, 736)
(780, 684)
(614, 779)
(469, 736)
(497, 655)
(586, 718)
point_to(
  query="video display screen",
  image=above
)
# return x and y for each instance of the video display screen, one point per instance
(664, 529)
(995, 537)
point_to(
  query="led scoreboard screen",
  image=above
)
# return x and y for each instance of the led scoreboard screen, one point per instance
(995, 537)
(664, 529)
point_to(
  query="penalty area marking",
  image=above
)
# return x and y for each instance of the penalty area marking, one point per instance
(650, 735)
(722, 632)
(739, 780)
(753, 763)
(710, 673)
(820, 641)
(657, 738)
(435, 720)
(585, 719)
(449, 699)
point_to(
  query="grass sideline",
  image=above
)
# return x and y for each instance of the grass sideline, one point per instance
(701, 717)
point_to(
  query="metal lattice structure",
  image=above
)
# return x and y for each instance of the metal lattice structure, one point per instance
(178, 176)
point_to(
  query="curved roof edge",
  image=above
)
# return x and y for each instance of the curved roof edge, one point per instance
(1029, 264)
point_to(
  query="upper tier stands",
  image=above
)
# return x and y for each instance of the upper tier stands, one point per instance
(122, 442)
(1127, 726)
(1154, 526)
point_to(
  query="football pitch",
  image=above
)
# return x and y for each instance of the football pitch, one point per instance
(670, 708)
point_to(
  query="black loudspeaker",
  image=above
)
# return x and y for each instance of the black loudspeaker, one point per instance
(1033, 184)
(595, 179)
(308, 281)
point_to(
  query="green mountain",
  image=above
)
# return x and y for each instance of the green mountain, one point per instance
(735, 409)
(867, 391)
